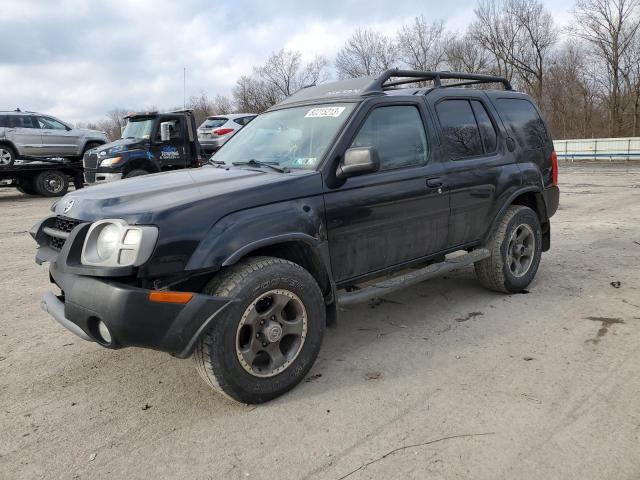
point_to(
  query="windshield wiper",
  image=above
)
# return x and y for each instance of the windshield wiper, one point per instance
(255, 163)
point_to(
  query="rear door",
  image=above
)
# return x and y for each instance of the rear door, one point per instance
(24, 133)
(395, 215)
(480, 173)
(57, 138)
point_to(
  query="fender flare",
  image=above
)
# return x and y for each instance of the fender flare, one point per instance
(541, 205)
(268, 241)
(10, 144)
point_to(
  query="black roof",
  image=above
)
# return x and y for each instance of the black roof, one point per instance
(389, 81)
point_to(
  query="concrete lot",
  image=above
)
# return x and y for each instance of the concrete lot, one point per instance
(443, 380)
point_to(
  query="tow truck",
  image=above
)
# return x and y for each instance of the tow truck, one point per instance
(151, 142)
(48, 177)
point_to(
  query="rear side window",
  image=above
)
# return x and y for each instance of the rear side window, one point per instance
(397, 133)
(213, 122)
(461, 133)
(23, 121)
(4, 121)
(523, 122)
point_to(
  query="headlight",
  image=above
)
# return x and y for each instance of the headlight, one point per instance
(115, 243)
(107, 162)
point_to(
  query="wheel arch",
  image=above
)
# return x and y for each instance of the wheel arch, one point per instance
(11, 145)
(90, 140)
(529, 197)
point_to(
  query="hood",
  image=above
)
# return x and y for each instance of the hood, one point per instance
(194, 197)
(122, 145)
(88, 131)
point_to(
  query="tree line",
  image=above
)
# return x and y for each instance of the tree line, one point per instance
(585, 76)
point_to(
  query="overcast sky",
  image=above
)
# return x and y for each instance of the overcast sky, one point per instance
(78, 59)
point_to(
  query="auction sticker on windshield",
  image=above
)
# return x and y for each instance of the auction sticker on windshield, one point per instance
(324, 112)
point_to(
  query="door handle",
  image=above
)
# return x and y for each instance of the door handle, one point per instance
(434, 182)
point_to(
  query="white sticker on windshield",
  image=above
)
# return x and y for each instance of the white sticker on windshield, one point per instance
(324, 112)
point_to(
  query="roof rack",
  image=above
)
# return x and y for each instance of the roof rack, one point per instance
(382, 82)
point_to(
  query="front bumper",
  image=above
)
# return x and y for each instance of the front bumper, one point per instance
(92, 176)
(132, 319)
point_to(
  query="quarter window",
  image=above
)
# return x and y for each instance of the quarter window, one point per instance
(397, 133)
(523, 121)
(487, 130)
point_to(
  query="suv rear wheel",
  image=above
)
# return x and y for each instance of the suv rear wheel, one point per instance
(7, 156)
(515, 248)
(270, 337)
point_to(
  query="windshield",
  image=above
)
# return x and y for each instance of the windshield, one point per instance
(292, 138)
(139, 127)
(213, 122)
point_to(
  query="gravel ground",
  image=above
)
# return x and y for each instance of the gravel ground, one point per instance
(442, 380)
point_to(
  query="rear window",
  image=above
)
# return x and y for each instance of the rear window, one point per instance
(214, 122)
(523, 122)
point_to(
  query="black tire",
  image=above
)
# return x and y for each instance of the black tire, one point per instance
(136, 173)
(7, 156)
(51, 183)
(26, 187)
(509, 268)
(218, 354)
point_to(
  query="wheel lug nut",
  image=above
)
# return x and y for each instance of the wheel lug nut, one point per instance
(257, 335)
(264, 344)
(262, 322)
(273, 317)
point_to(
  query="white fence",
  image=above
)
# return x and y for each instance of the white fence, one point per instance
(602, 149)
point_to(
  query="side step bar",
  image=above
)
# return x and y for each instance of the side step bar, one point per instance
(401, 281)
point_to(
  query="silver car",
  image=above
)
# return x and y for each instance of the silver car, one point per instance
(216, 130)
(30, 134)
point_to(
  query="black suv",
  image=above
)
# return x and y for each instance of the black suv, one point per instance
(342, 192)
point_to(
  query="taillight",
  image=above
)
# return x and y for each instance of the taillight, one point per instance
(554, 168)
(222, 131)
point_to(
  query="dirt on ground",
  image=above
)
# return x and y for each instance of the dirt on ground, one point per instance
(444, 380)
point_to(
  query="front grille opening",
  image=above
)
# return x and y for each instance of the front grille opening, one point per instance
(63, 225)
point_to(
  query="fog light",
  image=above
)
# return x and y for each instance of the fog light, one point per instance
(104, 332)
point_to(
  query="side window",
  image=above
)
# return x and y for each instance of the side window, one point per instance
(50, 123)
(523, 122)
(23, 121)
(487, 130)
(397, 133)
(4, 121)
(461, 133)
(175, 129)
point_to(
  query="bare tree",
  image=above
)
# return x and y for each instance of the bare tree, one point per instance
(367, 52)
(520, 34)
(610, 28)
(285, 72)
(464, 54)
(114, 122)
(251, 94)
(422, 45)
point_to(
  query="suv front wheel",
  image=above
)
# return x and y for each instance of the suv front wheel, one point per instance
(269, 337)
(515, 248)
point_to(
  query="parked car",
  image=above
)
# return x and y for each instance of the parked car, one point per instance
(31, 134)
(216, 130)
(151, 142)
(314, 205)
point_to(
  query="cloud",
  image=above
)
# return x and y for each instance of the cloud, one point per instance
(78, 59)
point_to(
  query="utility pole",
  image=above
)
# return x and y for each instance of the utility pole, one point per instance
(184, 88)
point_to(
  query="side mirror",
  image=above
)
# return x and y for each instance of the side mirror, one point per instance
(121, 130)
(165, 131)
(358, 161)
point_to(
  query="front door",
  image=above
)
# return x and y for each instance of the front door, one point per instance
(24, 133)
(57, 138)
(397, 214)
(171, 153)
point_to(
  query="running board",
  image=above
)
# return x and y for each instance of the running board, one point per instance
(401, 281)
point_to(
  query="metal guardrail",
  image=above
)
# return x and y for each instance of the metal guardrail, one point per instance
(598, 149)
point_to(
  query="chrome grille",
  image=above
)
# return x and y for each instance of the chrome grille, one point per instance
(90, 160)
